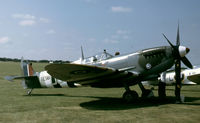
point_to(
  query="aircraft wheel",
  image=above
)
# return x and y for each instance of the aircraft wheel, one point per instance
(130, 96)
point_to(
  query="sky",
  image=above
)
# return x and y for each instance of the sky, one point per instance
(56, 29)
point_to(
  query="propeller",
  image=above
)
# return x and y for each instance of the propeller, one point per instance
(179, 53)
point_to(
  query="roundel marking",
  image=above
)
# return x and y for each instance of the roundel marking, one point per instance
(148, 66)
(79, 72)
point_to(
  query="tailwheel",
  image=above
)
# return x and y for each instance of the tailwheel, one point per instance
(130, 96)
(29, 92)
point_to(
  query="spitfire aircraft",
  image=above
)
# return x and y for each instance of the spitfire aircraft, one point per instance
(32, 79)
(188, 77)
(106, 71)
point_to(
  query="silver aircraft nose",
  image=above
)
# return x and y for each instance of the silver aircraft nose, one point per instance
(183, 50)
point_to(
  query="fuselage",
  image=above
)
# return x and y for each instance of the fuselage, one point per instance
(144, 63)
(44, 80)
(47, 81)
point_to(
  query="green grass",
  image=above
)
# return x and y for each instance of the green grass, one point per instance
(87, 104)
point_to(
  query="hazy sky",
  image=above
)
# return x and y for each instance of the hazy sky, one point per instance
(56, 29)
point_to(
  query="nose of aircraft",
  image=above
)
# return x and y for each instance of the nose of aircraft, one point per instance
(187, 50)
(183, 50)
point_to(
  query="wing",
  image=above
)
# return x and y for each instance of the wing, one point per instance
(194, 78)
(84, 74)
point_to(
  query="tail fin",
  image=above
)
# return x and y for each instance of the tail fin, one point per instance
(27, 69)
(29, 76)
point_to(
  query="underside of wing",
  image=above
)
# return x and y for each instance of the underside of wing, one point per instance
(86, 74)
(194, 78)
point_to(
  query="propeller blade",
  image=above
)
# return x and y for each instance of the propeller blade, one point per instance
(178, 80)
(178, 37)
(178, 58)
(168, 41)
(186, 62)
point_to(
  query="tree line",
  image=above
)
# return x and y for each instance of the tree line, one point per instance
(39, 61)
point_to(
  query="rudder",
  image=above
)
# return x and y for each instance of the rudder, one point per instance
(27, 69)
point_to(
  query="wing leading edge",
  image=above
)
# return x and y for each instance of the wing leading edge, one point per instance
(194, 78)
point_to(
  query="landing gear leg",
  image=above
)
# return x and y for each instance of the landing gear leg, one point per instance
(162, 90)
(146, 93)
(129, 96)
(29, 92)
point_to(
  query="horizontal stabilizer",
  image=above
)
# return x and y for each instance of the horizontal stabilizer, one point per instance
(11, 78)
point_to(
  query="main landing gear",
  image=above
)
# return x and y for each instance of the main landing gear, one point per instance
(162, 90)
(130, 95)
(146, 93)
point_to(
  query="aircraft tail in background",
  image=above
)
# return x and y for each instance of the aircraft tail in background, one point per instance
(27, 69)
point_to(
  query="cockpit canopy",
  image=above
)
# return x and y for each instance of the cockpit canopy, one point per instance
(98, 57)
(95, 58)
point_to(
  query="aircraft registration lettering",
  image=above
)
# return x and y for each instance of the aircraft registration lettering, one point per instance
(45, 78)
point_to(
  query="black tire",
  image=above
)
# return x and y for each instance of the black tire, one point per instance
(130, 96)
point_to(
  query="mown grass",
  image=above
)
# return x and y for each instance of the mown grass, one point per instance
(87, 104)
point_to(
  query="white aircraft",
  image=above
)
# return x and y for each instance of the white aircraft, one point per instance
(32, 79)
(188, 77)
(106, 71)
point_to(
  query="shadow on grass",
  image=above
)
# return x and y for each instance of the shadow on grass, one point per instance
(46, 95)
(186, 90)
(110, 103)
(104, 103)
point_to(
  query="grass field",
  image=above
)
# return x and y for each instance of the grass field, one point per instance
(87, 104)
